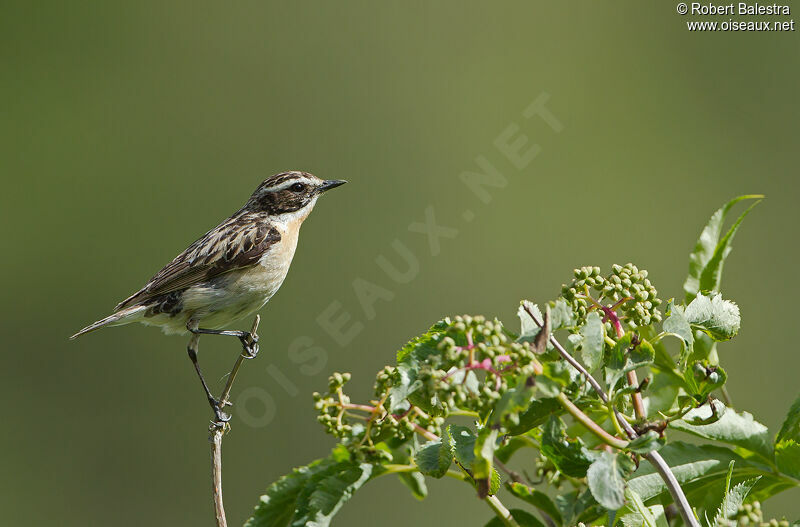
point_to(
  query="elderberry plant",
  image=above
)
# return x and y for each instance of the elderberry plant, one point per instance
(595, 392)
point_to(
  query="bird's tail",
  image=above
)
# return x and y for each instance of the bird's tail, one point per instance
(117, 318)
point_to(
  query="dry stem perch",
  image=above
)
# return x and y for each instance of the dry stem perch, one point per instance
(218, 428)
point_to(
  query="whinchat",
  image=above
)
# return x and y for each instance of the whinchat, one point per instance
(230, 272)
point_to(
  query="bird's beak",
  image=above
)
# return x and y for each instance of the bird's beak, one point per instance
(330, 183)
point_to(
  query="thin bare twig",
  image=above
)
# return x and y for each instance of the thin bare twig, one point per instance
(654, 458)
(218, 428)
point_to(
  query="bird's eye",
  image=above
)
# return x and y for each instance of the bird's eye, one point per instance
(298, 187)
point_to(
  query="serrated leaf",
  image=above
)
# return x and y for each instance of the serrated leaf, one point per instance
(677, 324)
(708, 256)
(463, 444)
(718, 318)
(435, 457)
(523, 518)
(739, 429)
(331, 493)
(277, 506)
(734, 497)
(569, 456)
(593, 332)
(606, 477)
(538, 499)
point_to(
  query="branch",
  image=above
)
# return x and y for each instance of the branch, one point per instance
(586, 421)
(654, 458)
(218, 429)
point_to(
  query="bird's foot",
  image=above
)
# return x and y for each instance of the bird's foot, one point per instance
(218, 407)
(249, 345)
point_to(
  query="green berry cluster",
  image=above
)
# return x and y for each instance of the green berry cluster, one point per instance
(626, 284)
(475, 365)
(577, 292)
(467, 364)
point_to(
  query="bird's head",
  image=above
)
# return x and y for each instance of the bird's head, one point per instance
(289, 195)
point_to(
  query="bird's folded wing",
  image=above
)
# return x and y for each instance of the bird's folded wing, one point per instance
(234, 244)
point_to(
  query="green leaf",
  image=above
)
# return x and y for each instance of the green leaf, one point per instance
(701, 379)
(625, 358)
(606, 478)
(700, 469)
(578, 506)
(423, 345)
(463, 443)
(514, 402)
(643, 516)
(408, 363)
(561, 315)
(415, 481)
(537, 414)
(277, 506)
(677, 325)
(528, 328)
(787, 457)
(791, 425)
(331, 492)
(538, 499)
(435, 457)
(734, 497)
(568, 455)
(593, 332)
(509, 448)
(523, 518)
(483, 464)
(646, 443)
(718, 318)
(708, 256)
(787, 443)
(739, 429)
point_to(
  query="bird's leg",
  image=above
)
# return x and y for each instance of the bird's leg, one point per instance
(221, 416)
(248, 339)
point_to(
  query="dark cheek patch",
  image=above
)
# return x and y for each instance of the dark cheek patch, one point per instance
(283, 201)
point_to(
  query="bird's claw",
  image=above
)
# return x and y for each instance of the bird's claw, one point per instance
(218, 407)
(250, 345)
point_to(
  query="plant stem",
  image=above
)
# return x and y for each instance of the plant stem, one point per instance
(215, 432)
(590, 425)
(654, 458)
(501, 512)
(638, 404)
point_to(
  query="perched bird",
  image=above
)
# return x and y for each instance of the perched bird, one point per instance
(230, 272)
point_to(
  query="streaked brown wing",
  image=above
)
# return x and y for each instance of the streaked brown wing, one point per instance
(236, 243)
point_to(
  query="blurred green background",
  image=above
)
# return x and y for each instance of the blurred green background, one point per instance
(130, 128)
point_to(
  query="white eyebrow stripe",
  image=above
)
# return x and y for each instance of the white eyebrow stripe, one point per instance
(289, 182)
